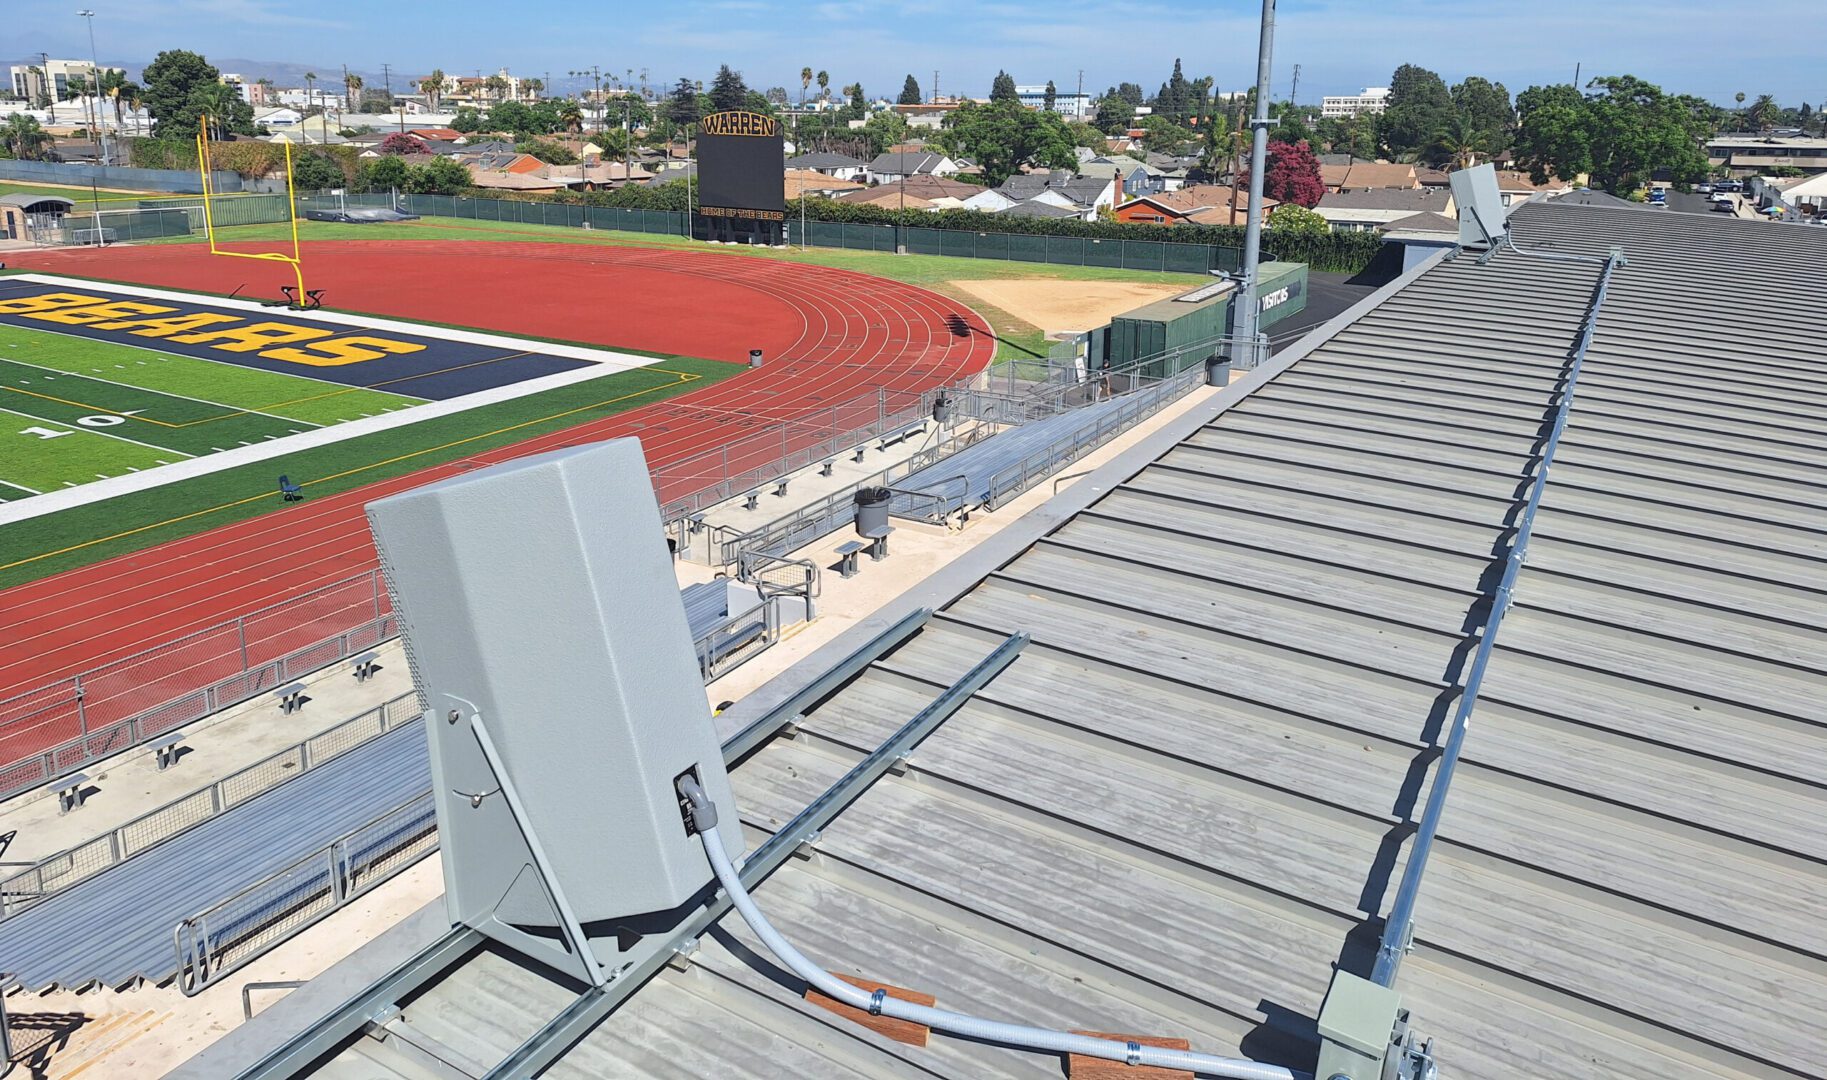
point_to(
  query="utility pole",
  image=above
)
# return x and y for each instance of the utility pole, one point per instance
(1294, 91)
(101, 136)
(387, 81)
(1244, 327)
(935, 86)
(1576, 74)
(1078, 103)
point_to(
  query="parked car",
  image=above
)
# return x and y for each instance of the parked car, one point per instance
(1729, 185)
(1703, 189)
(1721, 197)
(1724, 207)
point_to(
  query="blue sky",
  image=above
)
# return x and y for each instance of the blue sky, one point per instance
(1684, 46)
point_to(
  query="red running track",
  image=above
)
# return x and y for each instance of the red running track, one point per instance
(831, 336)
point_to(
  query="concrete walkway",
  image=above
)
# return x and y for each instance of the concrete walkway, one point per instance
(130, 784)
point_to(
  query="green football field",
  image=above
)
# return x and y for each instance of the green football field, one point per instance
(73, 410)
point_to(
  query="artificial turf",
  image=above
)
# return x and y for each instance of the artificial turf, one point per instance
(39, 547)
(294, 397)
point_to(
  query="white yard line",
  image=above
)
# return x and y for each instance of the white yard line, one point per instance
(232, 409)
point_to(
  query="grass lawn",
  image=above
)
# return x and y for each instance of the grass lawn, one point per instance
(1015, 337)
(42, 546)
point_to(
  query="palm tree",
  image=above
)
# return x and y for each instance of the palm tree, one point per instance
(432, 86)
(805, 81)
(571, 117)
(1459, 142)
(534, 87)
(310, 90)
(23, 136)
(824, 86)
(78, 88)
(352, 88)
(1761, 111)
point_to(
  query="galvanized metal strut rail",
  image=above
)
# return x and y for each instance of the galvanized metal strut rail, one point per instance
(328, 1032)
(1399, 929)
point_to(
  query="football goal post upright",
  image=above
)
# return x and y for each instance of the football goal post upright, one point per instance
(296, 259)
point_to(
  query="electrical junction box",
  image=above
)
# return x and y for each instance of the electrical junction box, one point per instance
(543, 625)
(1357, 1025)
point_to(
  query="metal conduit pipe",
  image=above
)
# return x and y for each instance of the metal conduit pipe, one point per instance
(878, 1003)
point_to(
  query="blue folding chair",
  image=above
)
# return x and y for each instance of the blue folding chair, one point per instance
(289, 491)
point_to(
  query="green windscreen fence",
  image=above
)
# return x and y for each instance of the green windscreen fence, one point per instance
(958, 243)
(117, 226)
(226, 210)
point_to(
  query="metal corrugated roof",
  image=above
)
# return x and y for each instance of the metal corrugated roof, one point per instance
(1190, 797)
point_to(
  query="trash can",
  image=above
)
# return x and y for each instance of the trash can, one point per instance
(871, 512)
(942, 411)
(754, 358)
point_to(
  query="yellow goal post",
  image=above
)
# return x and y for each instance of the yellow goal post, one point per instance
(296, 259)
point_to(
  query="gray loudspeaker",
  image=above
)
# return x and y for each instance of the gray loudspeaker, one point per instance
(543, 625)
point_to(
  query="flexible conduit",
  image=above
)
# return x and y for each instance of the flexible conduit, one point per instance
(878, 1003)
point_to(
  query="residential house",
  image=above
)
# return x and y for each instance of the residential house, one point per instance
(1368, 176)
(817, 184)
(499, 180)
(281, 117)
(1421, 235)
(670, 171)
(1351, 211)
(1087, 194)
(1037, 208)
(888, 198)
(894, 166)
(836, 166)
(1516, 187)
(601, 176)
(1134, 178)
(319, 130)
(988, 201)
(939, 190)
(1201, 204)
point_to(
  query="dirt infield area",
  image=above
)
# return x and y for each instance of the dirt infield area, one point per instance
(1059, 307)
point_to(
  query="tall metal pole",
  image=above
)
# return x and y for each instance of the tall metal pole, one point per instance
(1246, 322)
(101, 132)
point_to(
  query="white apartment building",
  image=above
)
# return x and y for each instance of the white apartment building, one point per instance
(52, 76)
(1072, 106)
(1371, 99)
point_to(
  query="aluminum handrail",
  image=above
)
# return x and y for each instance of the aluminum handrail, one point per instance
(1399, 928)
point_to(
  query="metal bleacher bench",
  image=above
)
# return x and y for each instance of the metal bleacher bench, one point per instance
(291, 698)
(69, 792)
(847, 552)
(165, 747)
(753, 498)
(366, 665)
(902, 435)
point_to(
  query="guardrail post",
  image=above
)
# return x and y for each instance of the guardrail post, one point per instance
(375, 579)
(82, 714)
(241, 633)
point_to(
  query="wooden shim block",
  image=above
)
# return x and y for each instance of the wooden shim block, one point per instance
(1079, 1067)
(899, 1030)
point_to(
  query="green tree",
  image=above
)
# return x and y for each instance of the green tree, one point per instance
(728, 91)
(681, 107)
(1175, 98)
(1619, 135)
(549, 152)
(23, 137)
(1083, 134)
(859, 108)
(440, 177)
(614, 141)
(1419, 105)
(1002, 89)
(1459, 142)
(910, 92)
(172, 82)
(315, 170)
(383, 173)
(1113, 113)
(1052, 95)
(1485, 105)
(884, 130)
(1002, 136)
(1761, 113)
(227, 113)
(468, 120)
(1295, 219)
(824, 86)
(352, 88)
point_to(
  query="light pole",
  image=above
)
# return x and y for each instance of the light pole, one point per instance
(1244, 326)
(101, 134)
